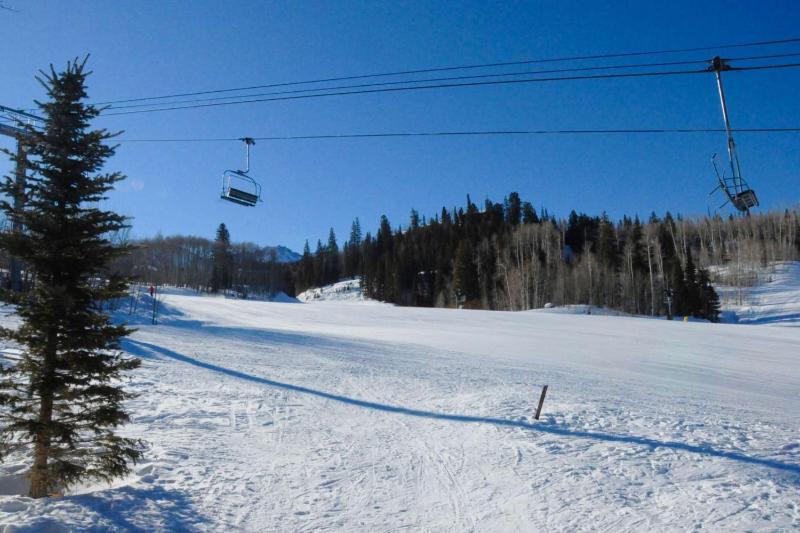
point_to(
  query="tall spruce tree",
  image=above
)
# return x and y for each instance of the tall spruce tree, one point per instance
(332, 270)
(222, 260)
(63, 398)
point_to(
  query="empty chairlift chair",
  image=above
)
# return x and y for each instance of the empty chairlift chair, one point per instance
(237, 186)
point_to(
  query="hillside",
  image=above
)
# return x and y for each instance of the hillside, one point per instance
(267, 416)
(774, 299)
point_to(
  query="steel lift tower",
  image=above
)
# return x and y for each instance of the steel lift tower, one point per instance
(12, 122)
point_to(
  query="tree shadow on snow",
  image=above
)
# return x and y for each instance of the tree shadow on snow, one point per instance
(152, 507)
(149, 350)
(136, 510)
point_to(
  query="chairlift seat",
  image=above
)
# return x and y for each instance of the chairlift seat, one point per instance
(744, 200)
(239, 188)
(240, 197)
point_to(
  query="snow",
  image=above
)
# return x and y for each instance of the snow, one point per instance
(580, 309)
(773, 300)
(359, 416)
(343, 291)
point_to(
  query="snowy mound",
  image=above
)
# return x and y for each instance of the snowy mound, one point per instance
(773, 300)
(343, 291)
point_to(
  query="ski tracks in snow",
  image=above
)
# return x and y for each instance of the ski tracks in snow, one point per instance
(227, 452)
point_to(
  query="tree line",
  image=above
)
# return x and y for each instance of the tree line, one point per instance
(205, 265)
(508, 256)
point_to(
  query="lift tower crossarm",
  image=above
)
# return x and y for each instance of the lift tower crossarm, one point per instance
(20, 113)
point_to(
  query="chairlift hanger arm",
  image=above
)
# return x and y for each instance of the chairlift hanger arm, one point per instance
(248, 142)
(739, 194)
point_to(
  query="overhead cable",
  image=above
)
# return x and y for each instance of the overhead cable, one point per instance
(464, 67)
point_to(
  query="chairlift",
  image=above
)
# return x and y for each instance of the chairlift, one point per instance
(738, 192)
(237, 186)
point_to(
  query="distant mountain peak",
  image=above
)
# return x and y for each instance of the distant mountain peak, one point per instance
(285, 255)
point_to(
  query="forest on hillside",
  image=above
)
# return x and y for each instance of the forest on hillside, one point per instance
(506, 256)
(502, 256)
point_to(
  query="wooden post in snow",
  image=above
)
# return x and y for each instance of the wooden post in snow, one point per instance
(541, 402)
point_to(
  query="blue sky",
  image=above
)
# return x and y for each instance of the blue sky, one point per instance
(146, 48)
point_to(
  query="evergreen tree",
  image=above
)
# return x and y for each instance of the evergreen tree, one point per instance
(222, 261)
(305, 275)
(529, 215)
(332, 259)
(414, 222)
(319, 266)
(466, 273)
(607, 243)
(352, 251)
(709, 299)
(678, 288)
(693, 294)
(355, 233)
(513, 209)
(62, 397)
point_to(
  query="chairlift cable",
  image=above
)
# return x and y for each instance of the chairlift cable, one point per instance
(403, 82)
(465, 134)
(475, 76)
(464, 67)
(413, 88)
(449, 86)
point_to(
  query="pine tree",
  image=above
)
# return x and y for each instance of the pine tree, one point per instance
(305, 273)
(319, 265)
(352, 251)
(529, 215)
(465, 273)
(332, 270)
(607, 243)
(678, 287)
(222, 261)
(62, 398)
(693, 294)
(709, 299)
(513, 209)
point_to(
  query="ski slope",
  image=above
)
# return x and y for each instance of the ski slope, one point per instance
(361, 416)
(773, 300)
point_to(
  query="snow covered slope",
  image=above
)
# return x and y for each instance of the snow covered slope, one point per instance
(774, 300)
(343, 291)
(367, 417)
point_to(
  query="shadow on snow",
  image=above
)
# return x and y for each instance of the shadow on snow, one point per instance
(126, 508)
(148, 350)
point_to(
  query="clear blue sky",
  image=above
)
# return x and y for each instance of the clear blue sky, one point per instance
(145, 48)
